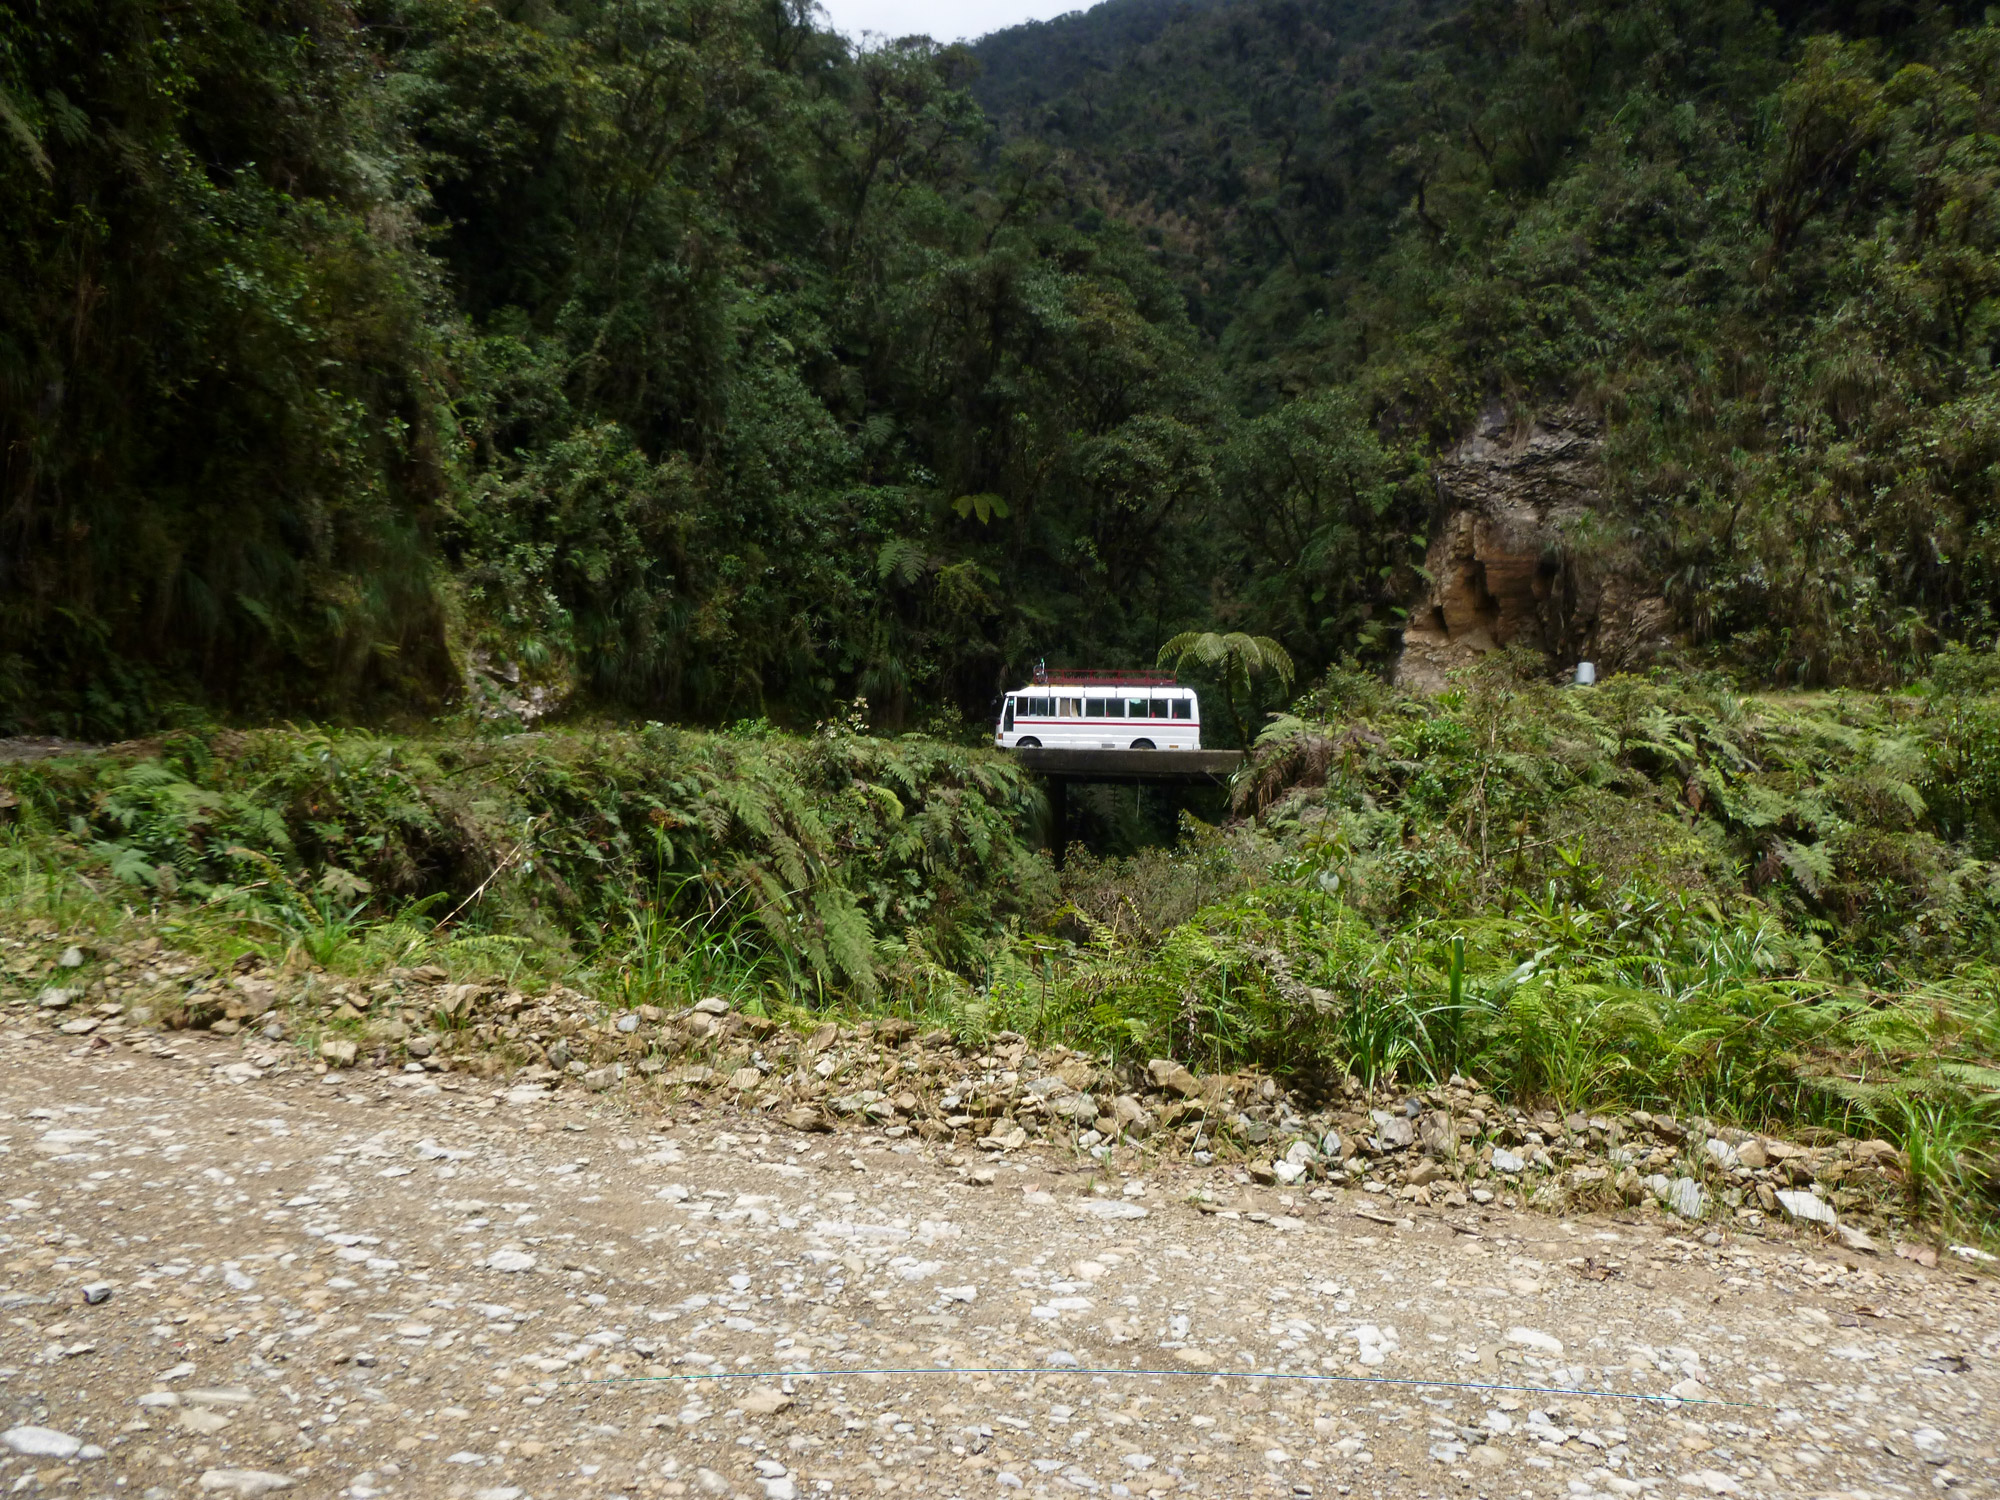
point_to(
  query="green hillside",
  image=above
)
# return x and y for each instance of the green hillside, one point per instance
(1760, 243)
(678, 358)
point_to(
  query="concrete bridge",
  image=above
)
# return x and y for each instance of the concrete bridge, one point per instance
(1126, 767)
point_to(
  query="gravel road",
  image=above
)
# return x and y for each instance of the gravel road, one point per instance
(224, 1274)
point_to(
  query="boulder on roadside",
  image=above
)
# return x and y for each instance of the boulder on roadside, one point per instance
(1395, 1132)
(1856, 1240)
(1171, 1077)
(1685, 1198)
(1132, 1116)
(1807, 1208)
(1437, 1133)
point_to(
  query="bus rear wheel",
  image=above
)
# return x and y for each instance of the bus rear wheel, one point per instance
(1142, 744)
(1027, 742)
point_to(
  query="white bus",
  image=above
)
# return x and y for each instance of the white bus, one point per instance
(1076, 710)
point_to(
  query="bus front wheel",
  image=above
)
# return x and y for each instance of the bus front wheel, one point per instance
(1142, 744)
(1027, 742)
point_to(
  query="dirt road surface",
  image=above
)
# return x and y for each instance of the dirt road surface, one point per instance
(226, 1275)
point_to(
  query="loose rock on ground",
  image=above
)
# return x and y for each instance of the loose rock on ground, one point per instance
(387, 1283)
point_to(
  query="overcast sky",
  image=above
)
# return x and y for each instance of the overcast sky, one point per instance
(960, 20)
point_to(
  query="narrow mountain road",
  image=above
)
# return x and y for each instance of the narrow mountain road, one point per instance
(225, 1275)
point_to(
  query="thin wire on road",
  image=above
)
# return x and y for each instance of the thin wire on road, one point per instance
(1445, 1385)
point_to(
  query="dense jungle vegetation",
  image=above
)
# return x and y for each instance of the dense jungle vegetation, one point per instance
(684, 352)
(1779, 910)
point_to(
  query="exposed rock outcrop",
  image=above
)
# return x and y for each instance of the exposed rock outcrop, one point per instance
(501, 690)
(1524, 552)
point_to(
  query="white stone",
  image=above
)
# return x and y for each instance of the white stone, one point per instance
(1713, 1480)
(510, 1260)
(245, 1481)
(1805, 1208)
(224, 1396)
(59, 1142)
(1506, 1161)
(1685, 1197)
(1109, 1208)
(1375, 1344)
(1534, 1338)
(41, 1442)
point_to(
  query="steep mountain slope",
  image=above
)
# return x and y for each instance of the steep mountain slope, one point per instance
(1238, 137)
(1759, 246)
(676, 357)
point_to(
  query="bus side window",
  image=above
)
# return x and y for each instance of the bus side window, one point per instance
(1115, 708)
(1183, 709)
(1093, 708)
(1069, 708)
(1008, 721)
(1136, 708)
(1159, 708)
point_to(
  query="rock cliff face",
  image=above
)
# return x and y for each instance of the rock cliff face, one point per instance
(1523, 552)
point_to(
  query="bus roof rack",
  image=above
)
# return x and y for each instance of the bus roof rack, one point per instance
(1098, 676)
